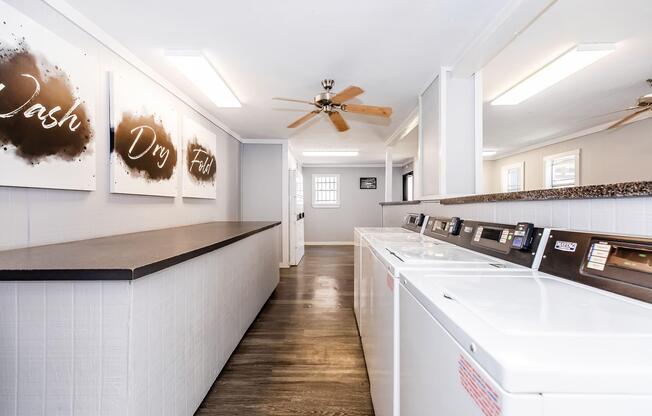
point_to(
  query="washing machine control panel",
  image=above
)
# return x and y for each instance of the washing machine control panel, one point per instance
(617, 263)
(443, 228)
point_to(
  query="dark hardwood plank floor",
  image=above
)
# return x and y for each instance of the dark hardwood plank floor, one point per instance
(302, 355)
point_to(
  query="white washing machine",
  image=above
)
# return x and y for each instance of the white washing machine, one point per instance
(383, 262)
(412, 224)
(574, 339)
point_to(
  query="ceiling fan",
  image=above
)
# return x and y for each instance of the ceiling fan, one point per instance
(332, 104)
(643, 104)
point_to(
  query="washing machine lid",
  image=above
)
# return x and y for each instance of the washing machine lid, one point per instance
(393, 230)
(543, 334)
(410, 238)
(432, 254)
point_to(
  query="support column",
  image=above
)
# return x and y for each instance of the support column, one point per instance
(389, 173)
(450, 135)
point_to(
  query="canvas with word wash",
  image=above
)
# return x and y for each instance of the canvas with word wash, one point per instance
(47, 107)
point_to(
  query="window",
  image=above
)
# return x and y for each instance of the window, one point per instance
(562, 170)
(408, 186)
(326, 191)
(512, 177)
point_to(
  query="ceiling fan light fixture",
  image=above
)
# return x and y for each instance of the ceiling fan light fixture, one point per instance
(196, 67)
(330, 153)
(575, 59)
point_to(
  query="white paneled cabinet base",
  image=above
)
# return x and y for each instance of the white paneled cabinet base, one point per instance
(149, 346)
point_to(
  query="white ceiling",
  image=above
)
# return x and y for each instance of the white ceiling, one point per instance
(406, 149)
(263, 49)
(572, 105)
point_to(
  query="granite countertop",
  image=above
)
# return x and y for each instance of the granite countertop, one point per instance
(400, 203)
(126, 256)
(614, 190)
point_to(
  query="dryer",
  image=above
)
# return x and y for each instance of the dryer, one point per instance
(383, 262)
(572, 339)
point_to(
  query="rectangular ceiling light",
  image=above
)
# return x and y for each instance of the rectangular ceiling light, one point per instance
(331, 153)
(573, 60)
(200, 72)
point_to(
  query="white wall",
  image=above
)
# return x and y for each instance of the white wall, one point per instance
(36, 216)
(262, 182)
(359, 207)
(429, 140)
(619, 155)
(610, 215)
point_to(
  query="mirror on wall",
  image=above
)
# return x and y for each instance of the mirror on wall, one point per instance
(404, 154)
(551, 97)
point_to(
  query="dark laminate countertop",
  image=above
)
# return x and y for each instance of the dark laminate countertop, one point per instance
(123, 257)
(612, 190)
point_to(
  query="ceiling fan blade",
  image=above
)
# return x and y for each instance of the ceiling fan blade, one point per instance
(629, 117)
(615, 112)
(338, 121)
(303, 119)
(293, 100)
(370, 110)
(347, 94)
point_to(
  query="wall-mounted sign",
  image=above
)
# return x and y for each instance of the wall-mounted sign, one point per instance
(368, 183)
(144, 138)
(47, 93)
(199, 162)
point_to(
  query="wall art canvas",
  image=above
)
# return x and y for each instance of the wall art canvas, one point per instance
(368, 183)
(199, 161)
(47, 95)
(144, 138)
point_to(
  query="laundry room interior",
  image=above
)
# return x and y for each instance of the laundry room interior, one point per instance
(354, 208)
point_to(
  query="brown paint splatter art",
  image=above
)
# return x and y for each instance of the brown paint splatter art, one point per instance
(200, 162)
(40, 113)
(145, 147)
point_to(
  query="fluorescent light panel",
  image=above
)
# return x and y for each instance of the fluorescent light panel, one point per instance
(572, 61)
(331, 153)
(200, 72)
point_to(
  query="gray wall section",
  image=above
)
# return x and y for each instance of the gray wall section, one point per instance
(44, 216)
(359, 208)
(262, 182)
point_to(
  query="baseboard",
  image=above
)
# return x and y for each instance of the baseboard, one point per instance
(329, 243)
(283, 266)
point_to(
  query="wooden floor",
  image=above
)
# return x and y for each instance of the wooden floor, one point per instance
(302, 355)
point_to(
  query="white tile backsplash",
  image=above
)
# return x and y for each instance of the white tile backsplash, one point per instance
(609, 215)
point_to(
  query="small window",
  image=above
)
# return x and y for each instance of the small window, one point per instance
(562, 170)
(512, 177)
(326, 191)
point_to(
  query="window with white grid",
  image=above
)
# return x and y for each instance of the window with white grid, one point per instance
(562, 170)
(325, 191)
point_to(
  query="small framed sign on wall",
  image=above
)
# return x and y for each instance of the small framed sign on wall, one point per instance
(368, 183)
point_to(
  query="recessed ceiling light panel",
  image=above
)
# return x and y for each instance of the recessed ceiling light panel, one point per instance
(200, 72)
(572, 61)
(344, 153)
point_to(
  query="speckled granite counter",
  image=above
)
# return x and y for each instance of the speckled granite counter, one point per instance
(384, 204)
(614, 190)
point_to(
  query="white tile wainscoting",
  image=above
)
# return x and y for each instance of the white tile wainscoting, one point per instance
(610, 215)
(150, 346)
